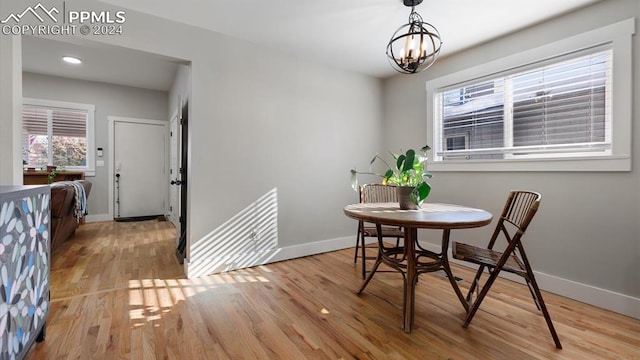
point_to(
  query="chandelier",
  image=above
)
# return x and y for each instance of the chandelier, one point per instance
(415, 46)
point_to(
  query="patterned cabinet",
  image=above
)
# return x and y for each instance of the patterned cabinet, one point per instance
(24, 267)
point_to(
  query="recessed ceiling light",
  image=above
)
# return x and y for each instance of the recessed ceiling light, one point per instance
(72, 60)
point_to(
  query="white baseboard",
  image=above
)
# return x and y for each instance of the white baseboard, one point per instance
(602, 298)
(606, 299)
(319, 247)
(98, 218)
(217, 265)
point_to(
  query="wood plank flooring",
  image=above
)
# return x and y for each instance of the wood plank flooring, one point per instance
(117, 292)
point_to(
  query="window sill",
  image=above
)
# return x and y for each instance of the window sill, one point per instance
(86, 171)
(620, 163)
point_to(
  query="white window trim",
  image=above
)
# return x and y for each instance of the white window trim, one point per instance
(619, 35)
(89, 169)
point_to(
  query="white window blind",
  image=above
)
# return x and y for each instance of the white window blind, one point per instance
(65, 122)
(557, 108)
(474, 113)
(563, 103)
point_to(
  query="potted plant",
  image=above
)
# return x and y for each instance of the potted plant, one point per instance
(408, 175)
(53, 172)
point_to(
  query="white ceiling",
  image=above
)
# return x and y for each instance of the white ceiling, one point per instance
(346, 34)
(100, 62)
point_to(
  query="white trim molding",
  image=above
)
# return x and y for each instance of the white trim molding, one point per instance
(602, 298)
(98, 218)
(90, 168)
(209, 266)
(619, 36)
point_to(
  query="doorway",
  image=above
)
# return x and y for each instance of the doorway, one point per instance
(138, 168)
(173, 213)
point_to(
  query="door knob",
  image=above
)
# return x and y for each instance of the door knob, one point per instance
(176, 182)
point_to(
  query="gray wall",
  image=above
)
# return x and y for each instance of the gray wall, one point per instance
(261, 120)
(588, 226)
(10, 110)
(110, 100)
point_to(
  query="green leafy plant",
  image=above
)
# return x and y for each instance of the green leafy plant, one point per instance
(409, 170)
(52, 176)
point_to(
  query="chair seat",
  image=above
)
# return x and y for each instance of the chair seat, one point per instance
(386, 232)
(487, 257)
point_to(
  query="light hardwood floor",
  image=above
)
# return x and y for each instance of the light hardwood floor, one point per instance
(117, 291)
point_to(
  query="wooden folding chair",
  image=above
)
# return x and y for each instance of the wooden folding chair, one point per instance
(374, 193)
(520, 208)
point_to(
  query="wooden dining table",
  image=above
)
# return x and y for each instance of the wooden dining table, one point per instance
(430, 216)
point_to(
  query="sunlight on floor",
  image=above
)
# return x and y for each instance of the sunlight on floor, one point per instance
(149, 299)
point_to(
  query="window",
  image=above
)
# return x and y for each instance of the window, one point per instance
(456, 141)
(57, 133)
(534, 110)
(552, 110)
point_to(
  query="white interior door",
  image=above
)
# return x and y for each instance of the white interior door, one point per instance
(140, 156)
(173, 213)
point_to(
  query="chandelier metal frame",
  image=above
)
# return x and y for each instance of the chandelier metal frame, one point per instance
(415, 46)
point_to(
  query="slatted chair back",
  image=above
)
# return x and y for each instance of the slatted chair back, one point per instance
(375, 193)
(520, 208)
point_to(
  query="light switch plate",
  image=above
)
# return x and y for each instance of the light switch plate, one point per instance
(100, 163)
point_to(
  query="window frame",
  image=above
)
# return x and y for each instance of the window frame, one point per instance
(618, 37)
(89, 168)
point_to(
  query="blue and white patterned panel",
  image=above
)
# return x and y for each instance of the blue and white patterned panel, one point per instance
(24, 272)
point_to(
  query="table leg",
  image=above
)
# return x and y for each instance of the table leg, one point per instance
(447, 269)
(410, 237)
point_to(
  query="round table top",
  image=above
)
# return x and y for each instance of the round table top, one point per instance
(429, 216)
